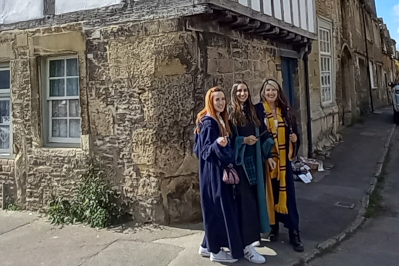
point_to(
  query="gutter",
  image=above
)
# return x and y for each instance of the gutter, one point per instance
(368, 58)
(308, 110)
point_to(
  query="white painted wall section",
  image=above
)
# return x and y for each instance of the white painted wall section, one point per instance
(255, 4)
(303, 13)
(295, 12)
(287, 11)
(243, 2)
(66, 6)
(267, 7)
(277, 9)
(311, 14)
(12, 11)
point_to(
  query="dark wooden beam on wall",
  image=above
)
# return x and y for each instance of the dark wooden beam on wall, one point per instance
(49, 7)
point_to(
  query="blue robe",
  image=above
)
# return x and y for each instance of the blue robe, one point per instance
(290, 220)
(219, 209)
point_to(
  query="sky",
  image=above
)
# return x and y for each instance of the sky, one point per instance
(389, 11)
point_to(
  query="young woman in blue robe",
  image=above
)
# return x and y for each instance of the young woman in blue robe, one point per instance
(213, 148)
(280, 194)
(251, 151)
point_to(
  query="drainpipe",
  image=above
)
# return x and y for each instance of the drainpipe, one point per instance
(308, 110)
(3, 195)
(368, 58)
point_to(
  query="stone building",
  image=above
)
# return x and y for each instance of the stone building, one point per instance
(350, 65)
(122, 80)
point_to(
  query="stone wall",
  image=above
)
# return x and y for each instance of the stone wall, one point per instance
(141, 85)
(351, 80)
(325, 121)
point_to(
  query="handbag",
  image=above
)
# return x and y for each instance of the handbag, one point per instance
(230, 175)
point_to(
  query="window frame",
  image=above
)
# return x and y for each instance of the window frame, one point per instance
(6, 95)
(372, 76)
(60, 141)
(325, 24)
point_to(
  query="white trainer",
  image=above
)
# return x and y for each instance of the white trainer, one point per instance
(204, 252)
(253, 256)
(222, 257)
(256, 244)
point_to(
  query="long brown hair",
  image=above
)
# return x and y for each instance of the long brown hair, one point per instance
(236, 116)
(210, 110)
(281, 101)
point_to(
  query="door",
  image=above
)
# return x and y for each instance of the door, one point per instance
(288, 66)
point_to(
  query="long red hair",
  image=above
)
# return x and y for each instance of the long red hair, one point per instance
(210, 109)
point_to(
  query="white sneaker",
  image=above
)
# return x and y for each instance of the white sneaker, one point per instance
(204, 252)
(222, 256)
(256, 244)
(253, 256)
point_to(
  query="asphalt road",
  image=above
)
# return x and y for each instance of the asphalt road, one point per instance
(377, 243)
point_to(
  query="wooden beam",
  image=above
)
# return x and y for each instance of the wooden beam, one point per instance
(223, 16)
(273, 31)
(290, 36)
(249, 12)
(262, 28)
(240, 22)
(252, 26)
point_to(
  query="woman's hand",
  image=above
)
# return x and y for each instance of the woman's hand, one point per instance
(293, 138)
(222, 141)
(272, 163)
(250, 140)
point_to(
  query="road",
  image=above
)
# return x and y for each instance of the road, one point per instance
(378, 241)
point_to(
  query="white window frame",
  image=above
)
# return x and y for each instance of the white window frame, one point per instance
(372, 78)
(49, 99)
(6, 95)
(326, 25)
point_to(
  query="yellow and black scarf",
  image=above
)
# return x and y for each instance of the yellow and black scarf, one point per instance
(279, 154)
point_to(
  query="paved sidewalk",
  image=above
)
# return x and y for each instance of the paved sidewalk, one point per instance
(27, 239)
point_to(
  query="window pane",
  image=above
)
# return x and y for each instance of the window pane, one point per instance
(59, 108)
(59, 128)
(72, 67)
(57, 68)
(72, 87)
(5, 137)
(4, 79)
(57, 87)
(74, 108)
(74, 128)
(5, 112)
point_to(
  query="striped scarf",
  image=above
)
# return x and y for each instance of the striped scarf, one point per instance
(279, 154)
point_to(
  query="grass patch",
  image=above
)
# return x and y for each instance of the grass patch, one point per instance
(376, 198)
(10, 204)
(375, 202)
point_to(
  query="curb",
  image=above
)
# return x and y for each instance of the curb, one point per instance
(360, 219)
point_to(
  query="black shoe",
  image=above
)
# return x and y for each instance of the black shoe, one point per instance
(295, 241)
(273, 235)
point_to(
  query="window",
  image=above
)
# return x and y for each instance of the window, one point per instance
(372, 79)
(326, 73)
(62, 96)
(5, 110)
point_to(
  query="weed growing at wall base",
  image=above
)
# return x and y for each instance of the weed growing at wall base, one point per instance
(94, 202)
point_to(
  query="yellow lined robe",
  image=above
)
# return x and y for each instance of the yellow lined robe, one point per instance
(279, 155)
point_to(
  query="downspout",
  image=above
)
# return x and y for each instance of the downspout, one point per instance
(368, 58)
(308, 110)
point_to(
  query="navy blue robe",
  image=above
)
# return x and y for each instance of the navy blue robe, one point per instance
(290, 220)
(219, 209)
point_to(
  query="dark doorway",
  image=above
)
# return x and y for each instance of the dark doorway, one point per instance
(288, 66)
